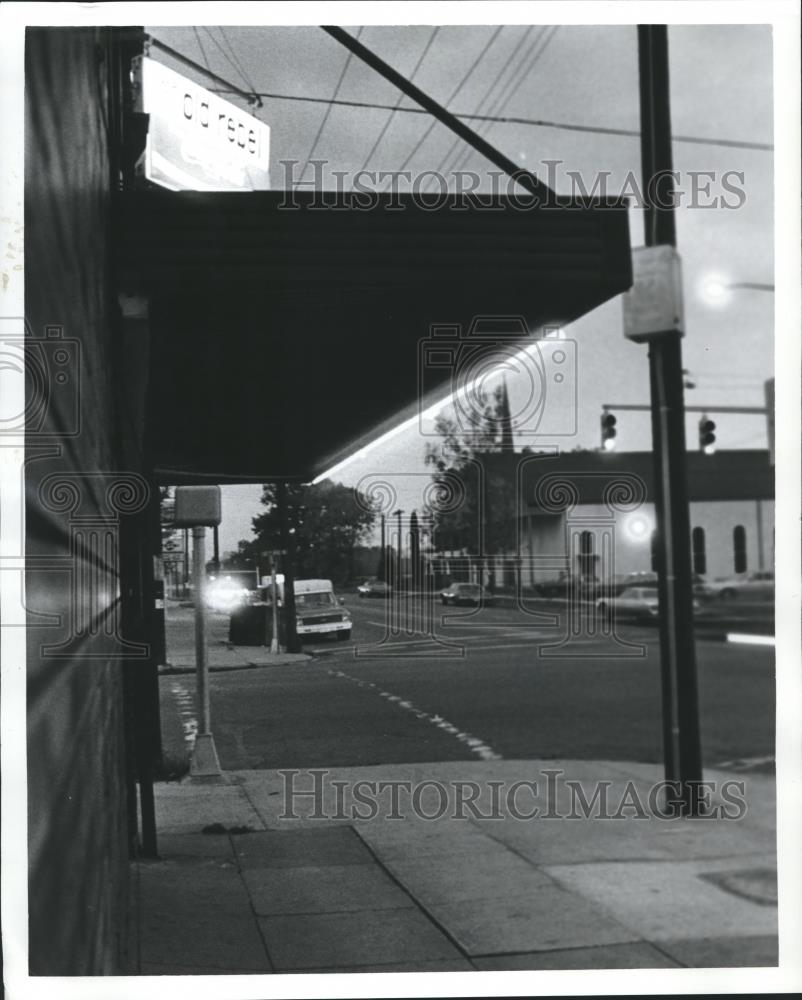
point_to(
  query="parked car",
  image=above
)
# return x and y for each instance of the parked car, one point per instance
(466, 593)
(756, 586)
(373, 587)
(560, 587)
(649, 579)
(634, 603)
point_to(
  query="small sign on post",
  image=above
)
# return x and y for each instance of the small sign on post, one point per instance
(198, 507)
(653, 306)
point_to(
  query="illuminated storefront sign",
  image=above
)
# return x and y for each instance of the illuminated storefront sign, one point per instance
(196, 140)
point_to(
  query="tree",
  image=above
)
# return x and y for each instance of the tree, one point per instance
(246, 556)
(326, 520)
(477, 453)
(414, 551)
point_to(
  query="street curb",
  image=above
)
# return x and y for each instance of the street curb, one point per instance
(166, 670)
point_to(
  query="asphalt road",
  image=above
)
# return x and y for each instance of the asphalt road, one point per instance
(398, 698)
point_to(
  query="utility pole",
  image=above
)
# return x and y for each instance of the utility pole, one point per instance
(383, 574)
(400, 567)
(288, 547)
(681, 739)
(274, 643)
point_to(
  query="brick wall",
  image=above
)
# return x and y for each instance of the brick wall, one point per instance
(78, 850)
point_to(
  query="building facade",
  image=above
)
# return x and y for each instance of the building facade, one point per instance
(591, 515)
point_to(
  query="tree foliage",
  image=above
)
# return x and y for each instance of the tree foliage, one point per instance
(477, 454)
(326, 521)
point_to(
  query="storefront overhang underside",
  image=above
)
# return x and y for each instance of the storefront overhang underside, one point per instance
(285, 333)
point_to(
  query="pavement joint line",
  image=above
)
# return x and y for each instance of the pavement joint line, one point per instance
(251, 906)
(416, 902)
(253, 806)
(656, 945)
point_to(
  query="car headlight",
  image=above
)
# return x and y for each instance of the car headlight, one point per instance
(299, 622)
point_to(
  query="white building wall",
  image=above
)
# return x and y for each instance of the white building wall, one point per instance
(542, 547)
(632, 533)
(718, 518)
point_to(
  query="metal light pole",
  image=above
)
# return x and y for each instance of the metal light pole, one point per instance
(205, 763)
(198, 507)
(681, 739)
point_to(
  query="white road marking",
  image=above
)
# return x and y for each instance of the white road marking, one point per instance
(482, 750)
(751, 640)
(186, 709)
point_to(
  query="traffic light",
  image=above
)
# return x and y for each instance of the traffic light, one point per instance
(608, 431)
(707, 435)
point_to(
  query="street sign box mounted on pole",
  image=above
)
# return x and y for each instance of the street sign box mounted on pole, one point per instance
(653, 305)
(197, 507)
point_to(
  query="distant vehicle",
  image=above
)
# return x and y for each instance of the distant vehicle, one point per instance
(649, 579)
(373, 587)
(466, 593)
(646, 578)
(317, 609)
(635, 603)
(565, 585)
(318, 612)
(758, 586)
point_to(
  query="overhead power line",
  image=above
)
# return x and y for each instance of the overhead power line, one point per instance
(383, 132)
(509, 120)
(512, 86)
(454, 93)
(235, 65)
(236, 58)
(203, 50)
(227, 87)
(507, 66)
(328, 111)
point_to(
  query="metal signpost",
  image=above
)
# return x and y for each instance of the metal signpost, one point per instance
(198, 507)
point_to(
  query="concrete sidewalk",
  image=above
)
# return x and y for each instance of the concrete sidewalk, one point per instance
(271, 888)
(221, 654)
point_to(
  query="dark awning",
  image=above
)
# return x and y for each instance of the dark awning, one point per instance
(285, 331)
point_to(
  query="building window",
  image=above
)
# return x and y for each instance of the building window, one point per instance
(739, 548)
(698, 550)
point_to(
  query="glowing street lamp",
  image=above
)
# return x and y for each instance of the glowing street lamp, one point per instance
(717, 289)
